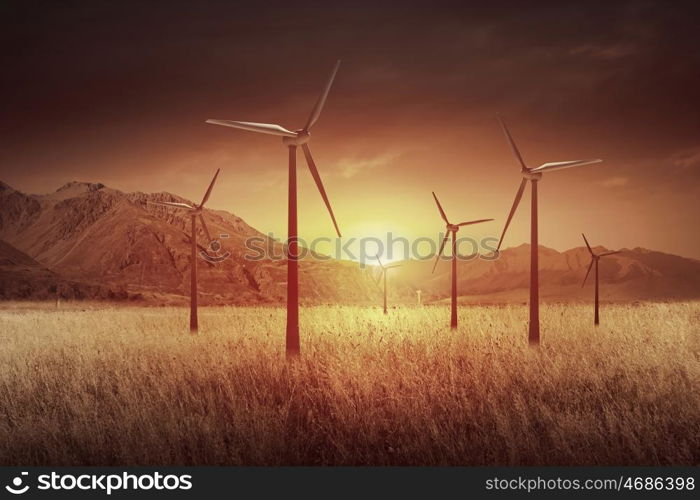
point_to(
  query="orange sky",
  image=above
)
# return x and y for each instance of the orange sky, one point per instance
(119, 95)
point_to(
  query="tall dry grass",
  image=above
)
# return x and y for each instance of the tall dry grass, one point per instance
(118, 386)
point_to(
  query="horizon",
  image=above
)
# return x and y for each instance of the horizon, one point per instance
(369, 261)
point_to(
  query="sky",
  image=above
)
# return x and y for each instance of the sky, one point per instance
(118, 93)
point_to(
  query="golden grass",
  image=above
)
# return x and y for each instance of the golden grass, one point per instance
(127, 386)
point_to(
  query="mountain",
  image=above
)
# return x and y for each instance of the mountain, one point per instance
(86, 240)
(25, 278)
(633, 274)
(92, 234)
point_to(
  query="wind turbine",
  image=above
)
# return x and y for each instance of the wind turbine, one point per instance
(452, 229)
(194, 211)
(595, 258)
(292, 139)
(382, 274)
(533, 175)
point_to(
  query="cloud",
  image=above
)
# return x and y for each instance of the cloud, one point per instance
(604, 52)
(687, 158)
(615, 182)
(350, 167)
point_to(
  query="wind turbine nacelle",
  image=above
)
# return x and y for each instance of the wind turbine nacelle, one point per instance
(532, 176)
(301, 138)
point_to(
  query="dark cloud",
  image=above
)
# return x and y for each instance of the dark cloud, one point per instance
(102, 64)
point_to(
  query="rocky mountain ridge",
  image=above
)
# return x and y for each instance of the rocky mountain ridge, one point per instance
(87, 240)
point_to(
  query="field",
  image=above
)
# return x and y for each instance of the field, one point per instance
(108, 385)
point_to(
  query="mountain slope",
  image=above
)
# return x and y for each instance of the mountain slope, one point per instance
(101, 242)
(24, 278)
(634, 274)
(91, 233)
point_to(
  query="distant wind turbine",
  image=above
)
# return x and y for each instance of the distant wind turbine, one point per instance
(533, 175)
(292, 139)
(194, 211)
(452, 229)
(595, 258)
(382, 274)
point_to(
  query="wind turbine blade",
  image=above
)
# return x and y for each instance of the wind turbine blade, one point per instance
(516, 202)
(172, 204)
(393, 266)
(442, 212)
(319, 184)
(473, 222)
(211, 186)
(610, 253)
(263, 128)
(513, 147)
(206, 229)
(560, 165)
(587, 273)
(590, 250)
(380, 262)
(442, 247)
(316, 112)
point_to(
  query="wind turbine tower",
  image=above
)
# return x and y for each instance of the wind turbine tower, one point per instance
(292, 140)
(534, 175)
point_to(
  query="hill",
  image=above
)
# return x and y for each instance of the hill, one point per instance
(87, 232)
(24, 278)
(89, 240)
(633, 274)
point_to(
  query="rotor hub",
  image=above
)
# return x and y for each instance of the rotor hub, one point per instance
(532, 176)
(302, 137)
(452, 228)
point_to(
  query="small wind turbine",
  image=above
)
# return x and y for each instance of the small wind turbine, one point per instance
(533, 175)
(452, 229)
(594, 259)
(194, 211)
(292, 139)
(382, 274)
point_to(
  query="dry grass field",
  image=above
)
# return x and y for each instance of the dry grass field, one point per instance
(127, 386)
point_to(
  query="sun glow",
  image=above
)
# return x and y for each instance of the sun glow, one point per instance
(372, 239)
